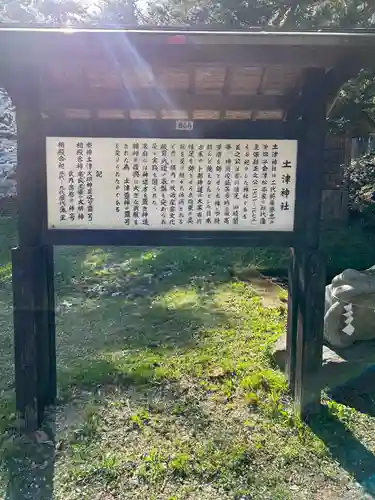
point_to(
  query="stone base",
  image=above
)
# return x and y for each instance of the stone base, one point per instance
(341, 367)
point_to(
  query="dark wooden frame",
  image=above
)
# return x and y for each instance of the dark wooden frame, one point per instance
(35, 355)
(161, 238)
(34, 308)
(164, 129)
(204, 129)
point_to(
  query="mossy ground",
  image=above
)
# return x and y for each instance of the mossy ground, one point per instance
(167, 389)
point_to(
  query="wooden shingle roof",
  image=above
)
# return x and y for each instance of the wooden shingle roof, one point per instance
(174, 74)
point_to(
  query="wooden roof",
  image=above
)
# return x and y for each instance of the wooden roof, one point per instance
(174, 74)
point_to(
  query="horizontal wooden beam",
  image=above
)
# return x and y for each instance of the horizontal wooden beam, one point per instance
(68, 51)
(201, 34)
(157, 99)
(166, 238)
(292, 57)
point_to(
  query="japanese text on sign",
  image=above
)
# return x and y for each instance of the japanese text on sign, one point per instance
(186, 184)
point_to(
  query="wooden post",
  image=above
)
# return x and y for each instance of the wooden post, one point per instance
(51, 326)
(32, 264)
(44, 325)
(307, 390)
(291, 343)
(310, 263)
(25, 339)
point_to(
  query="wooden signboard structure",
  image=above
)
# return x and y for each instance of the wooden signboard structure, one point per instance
(170, 137)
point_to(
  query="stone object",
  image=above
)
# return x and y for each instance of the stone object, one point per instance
(350, 308)
(339, 366)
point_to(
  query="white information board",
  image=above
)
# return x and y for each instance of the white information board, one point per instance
(181, 184)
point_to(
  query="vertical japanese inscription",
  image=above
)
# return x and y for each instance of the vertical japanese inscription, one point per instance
(264, 185)
(172, 187)
(164, 183)
(190, 171)
(80, 183)
(89, 182)
(236, 185)
(71, 192)
(145, 184)
(219, 171)
(126, 186)
(61, 158)
(136, 184)
(273, 187)
(118, 178)
(227, 183)
(286, 182)
(200, 195)
(155, 176)
(181, 188)
(246, 178)
(255, 184)
(209, 181)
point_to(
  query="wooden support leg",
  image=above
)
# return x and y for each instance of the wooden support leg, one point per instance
(291, 339)
(45, 326)
(32, 262)
(25, 338)
(51, 327)
(311, 291)
(34, 333)
(310, 269)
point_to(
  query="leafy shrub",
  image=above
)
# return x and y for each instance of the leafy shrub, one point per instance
(360, 179)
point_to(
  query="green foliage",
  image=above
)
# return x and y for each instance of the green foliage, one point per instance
(140, 419)
(360, 179)
(287, 15)
(353, 110)
(43, 11)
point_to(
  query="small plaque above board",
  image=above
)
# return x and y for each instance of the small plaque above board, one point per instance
(184, 125)
(171, 184)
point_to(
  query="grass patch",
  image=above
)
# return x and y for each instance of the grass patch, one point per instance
(166, 386)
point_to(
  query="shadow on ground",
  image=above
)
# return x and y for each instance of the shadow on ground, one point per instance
(344, 447)
(140, 272)
(358, 393)
(30, 462)
(28, 465)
